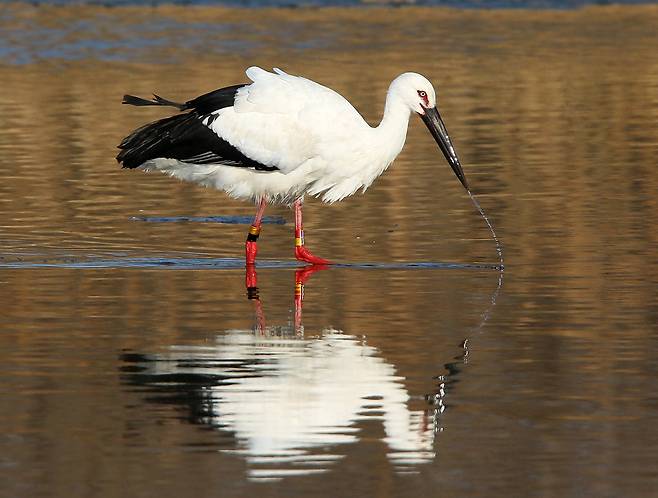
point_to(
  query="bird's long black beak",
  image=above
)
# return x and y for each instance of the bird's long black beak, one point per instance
(435, 125)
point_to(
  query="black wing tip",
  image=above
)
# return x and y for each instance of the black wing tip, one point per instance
(162, 101)
(138, 101)
(121, 159)
(184, 136)
(157, 100)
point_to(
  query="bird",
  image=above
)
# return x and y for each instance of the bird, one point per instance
(282, 137)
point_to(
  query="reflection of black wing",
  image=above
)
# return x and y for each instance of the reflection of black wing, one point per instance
(180, 382)
(185, 137)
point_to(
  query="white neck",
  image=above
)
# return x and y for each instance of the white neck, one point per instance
(369, 151)
(392, 131)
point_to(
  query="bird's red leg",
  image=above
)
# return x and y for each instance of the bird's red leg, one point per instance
(301, 253)
(251, 247)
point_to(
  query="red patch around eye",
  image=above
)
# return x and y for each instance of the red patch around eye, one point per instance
(423, 95)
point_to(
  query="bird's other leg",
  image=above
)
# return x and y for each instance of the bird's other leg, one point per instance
(251, 247)
(301, 253)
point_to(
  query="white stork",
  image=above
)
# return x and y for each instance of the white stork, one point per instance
(281, 137)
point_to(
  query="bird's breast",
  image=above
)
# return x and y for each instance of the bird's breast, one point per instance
(352, 166)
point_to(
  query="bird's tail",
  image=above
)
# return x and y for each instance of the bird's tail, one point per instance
(157, 100)
(168, 138)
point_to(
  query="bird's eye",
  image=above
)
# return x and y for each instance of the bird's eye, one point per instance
(423, 95)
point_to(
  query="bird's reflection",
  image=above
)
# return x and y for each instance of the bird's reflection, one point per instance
(293, 404)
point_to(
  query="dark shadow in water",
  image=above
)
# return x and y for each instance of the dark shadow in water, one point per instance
(197, 263)
(229, 220)
(291, 404)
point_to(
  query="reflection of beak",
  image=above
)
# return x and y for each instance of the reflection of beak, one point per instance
(435, 125)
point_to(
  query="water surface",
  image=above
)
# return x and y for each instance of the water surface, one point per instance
(133, 363)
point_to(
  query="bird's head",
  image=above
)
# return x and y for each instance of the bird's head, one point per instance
(418, 93)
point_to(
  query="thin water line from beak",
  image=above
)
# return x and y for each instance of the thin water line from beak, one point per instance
(437, 128)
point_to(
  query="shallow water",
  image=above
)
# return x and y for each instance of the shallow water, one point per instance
(133, 363)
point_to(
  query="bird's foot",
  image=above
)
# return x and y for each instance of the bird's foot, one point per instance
(303, 254)
(251, 248)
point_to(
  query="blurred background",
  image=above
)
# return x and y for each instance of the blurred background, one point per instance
(132, 362)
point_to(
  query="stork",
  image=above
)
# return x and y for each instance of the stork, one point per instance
(280, 137)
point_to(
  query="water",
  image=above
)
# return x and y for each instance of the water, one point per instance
(465, 4)
(499, 247)
(133, 363)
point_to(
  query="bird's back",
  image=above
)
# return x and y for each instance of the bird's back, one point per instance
(284, 120)
(296, 96)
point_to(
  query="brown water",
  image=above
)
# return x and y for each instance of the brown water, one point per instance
(134, 365)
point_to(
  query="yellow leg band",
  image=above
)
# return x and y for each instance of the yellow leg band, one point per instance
(254, 230)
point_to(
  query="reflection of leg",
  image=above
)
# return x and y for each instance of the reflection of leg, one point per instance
(260, 316)
(251, 282)
(251, 247)
(301, 253)
(301, 277)
(299, 300)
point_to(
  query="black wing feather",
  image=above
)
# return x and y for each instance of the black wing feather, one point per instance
(184, 136)
(211, 101)
(157, 100)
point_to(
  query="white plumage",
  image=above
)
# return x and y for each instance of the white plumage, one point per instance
(316, 138)
(281, 137)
